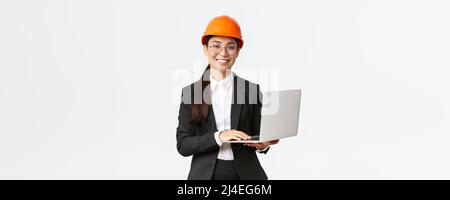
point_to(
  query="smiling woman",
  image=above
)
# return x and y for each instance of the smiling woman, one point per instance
(222, 52)
(215, 49)
(216, 109)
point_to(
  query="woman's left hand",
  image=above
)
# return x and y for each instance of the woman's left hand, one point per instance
(262, 145)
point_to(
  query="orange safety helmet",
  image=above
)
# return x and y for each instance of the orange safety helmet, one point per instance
(223, 26)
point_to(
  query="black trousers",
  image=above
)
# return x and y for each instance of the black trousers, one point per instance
(225, 170)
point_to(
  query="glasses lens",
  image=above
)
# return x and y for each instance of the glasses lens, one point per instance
(217, 48)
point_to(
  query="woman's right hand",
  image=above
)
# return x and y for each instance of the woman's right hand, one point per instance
(233, 135)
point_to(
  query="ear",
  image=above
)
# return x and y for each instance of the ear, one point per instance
(237, 53)
(205, 50)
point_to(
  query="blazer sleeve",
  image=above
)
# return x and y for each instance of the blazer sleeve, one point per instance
(188, 142)
(256, 125)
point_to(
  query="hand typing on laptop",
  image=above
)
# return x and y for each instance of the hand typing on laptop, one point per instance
(229, 135)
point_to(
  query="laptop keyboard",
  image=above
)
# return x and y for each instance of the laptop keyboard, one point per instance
(254, 137)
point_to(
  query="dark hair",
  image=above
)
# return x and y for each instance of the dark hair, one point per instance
(200, 111)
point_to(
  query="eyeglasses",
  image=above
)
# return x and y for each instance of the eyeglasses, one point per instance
(232, 48)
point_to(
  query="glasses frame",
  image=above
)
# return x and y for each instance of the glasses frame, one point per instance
(222, 47)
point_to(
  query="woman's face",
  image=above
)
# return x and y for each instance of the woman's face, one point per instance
(221, 52)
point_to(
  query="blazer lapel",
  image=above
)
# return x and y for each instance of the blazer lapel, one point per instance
(238, 101)
(212, 119)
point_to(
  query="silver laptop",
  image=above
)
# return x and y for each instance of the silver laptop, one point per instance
(279, 117)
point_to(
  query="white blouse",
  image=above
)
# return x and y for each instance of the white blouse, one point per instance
(221, 97)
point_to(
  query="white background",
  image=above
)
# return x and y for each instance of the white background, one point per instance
(90, 89)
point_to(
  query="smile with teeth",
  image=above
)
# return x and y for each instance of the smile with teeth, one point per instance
(222, 60)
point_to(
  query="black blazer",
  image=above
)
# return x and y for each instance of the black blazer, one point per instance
(198, 140)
